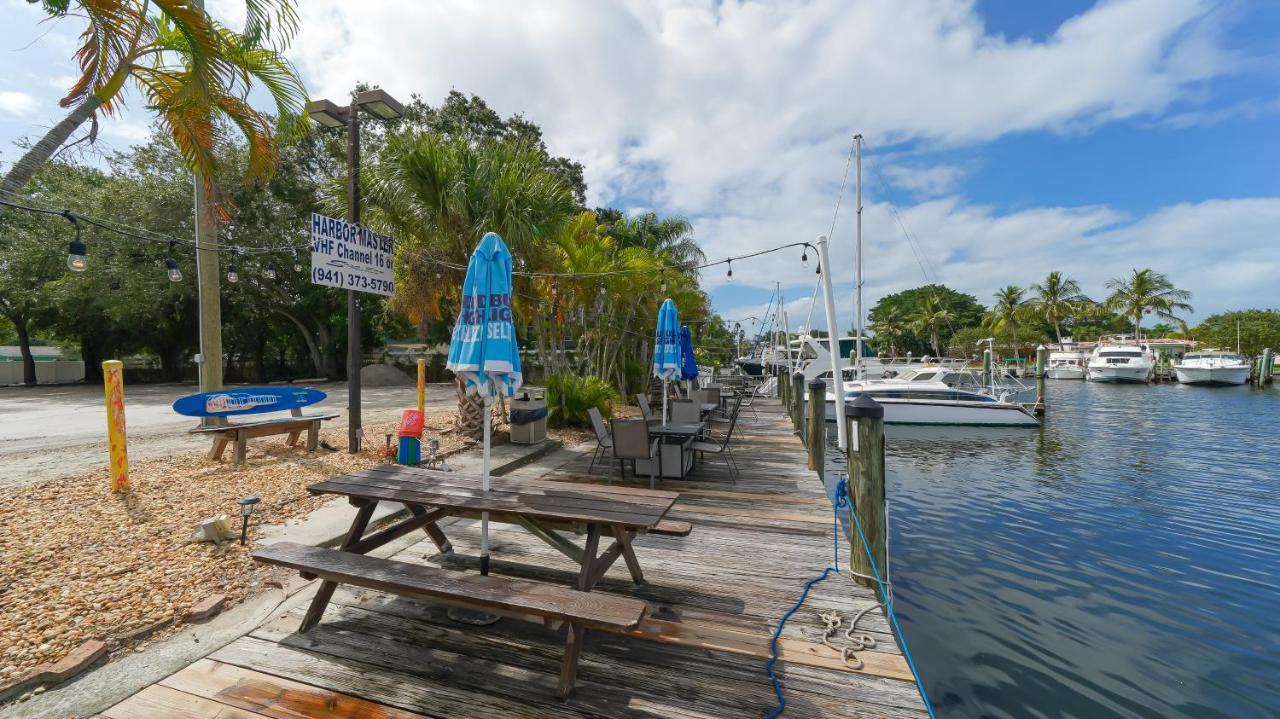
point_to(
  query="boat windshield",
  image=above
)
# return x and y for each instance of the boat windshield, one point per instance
(1119, 353)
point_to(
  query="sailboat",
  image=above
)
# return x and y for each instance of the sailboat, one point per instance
(932, 394)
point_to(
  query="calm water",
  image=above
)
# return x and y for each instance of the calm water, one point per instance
(1122, 561)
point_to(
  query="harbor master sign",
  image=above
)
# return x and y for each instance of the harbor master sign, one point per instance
(350, 257)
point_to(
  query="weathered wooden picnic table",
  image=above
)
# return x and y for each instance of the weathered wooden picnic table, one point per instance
(546, 509)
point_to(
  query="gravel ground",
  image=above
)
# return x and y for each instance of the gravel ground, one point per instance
(82, 563)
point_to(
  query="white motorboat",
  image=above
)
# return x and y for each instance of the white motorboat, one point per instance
(1213, 367)
(1066, 361)
(941, 395)
(1121, 360)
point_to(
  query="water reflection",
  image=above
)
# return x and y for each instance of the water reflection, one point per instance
(1120, 561)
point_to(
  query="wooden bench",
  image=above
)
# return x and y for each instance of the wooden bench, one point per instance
(254, 400)
(672, 528)
(579, 610)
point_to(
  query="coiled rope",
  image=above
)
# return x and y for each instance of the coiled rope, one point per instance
(833, 622)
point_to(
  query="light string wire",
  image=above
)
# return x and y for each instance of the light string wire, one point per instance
(159, 238)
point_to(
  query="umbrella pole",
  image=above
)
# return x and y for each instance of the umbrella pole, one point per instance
(664, 402)
(484, 482)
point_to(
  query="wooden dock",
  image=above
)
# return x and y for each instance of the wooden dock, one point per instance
(715, 598)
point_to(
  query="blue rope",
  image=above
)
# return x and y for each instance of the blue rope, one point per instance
(841, 501)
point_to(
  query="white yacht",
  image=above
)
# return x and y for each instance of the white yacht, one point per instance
(1213, 367)
(940, 395)
(813, 360)
(1121, 360)
(1066, 361)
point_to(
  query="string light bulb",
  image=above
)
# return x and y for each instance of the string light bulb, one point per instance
(729, 274)
(297, 262)
(171, 265)
(663, 286)
(270, 272)
(77, 253)
(804, 258)
(233, 270)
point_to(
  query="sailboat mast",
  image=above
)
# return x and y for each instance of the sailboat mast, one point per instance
(857, 262)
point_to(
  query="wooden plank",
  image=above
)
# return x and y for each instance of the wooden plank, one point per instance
(577, 496)
(522, 483)
(547, 510)
(707, 636)
(279, 420)
(756, 497)
(810, 518)
(161, 702)
(275, 697)
(596, 610)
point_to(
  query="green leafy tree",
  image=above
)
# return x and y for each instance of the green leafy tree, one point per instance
(1007, 315)
(890, 328)
(930, 319)
(1259, 329)
(195, 74)
(964, 309)
(1147, 292)
(438, 196)
(33, 252)
(1056, 299)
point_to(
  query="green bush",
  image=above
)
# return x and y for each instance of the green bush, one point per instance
(570, 396)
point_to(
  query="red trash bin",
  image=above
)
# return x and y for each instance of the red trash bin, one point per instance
(411, 423)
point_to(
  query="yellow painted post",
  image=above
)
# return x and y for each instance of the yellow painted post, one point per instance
(422, 385)
(117, 443)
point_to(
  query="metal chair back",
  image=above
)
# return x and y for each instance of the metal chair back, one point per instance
(685, 411)
(597, 424)
(631, 439)
(643, 402)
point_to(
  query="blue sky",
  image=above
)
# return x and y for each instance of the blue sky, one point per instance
(1011, 137)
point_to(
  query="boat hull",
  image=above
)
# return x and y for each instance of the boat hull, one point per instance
(1120, 374)
(1064, 372)
(1213, 375)
(944, 412)
(755, 369)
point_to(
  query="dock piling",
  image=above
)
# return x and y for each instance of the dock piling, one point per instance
(817, 425)
(866, 487)
(796, 395)
(1042, 355)
(986, 366)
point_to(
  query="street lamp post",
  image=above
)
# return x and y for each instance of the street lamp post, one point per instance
(378, 103)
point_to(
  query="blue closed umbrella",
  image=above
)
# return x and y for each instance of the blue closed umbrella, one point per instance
(483, 351)
(688, 365)
(666, 351)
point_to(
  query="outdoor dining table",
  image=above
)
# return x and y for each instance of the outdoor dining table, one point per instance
(545, 508)
(683, 433)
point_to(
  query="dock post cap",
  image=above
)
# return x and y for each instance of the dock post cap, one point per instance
(817, 384)
(864, 406)
(798, 375)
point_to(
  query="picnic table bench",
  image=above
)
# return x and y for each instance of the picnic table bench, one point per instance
(254, 400)
(544, 508)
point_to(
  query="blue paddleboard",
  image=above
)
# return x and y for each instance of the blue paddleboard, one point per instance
(246, 400)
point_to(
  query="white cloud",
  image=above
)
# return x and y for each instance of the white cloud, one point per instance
(17, 104)
(738, 114)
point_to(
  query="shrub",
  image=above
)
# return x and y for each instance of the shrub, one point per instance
(570, 396)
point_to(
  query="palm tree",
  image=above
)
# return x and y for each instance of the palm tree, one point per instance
(1147, 292)
(439, 196)
(1059, 297)
(1006, 315)
(930, 318)
(196, 75)
(669, 238)
(888, 330)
